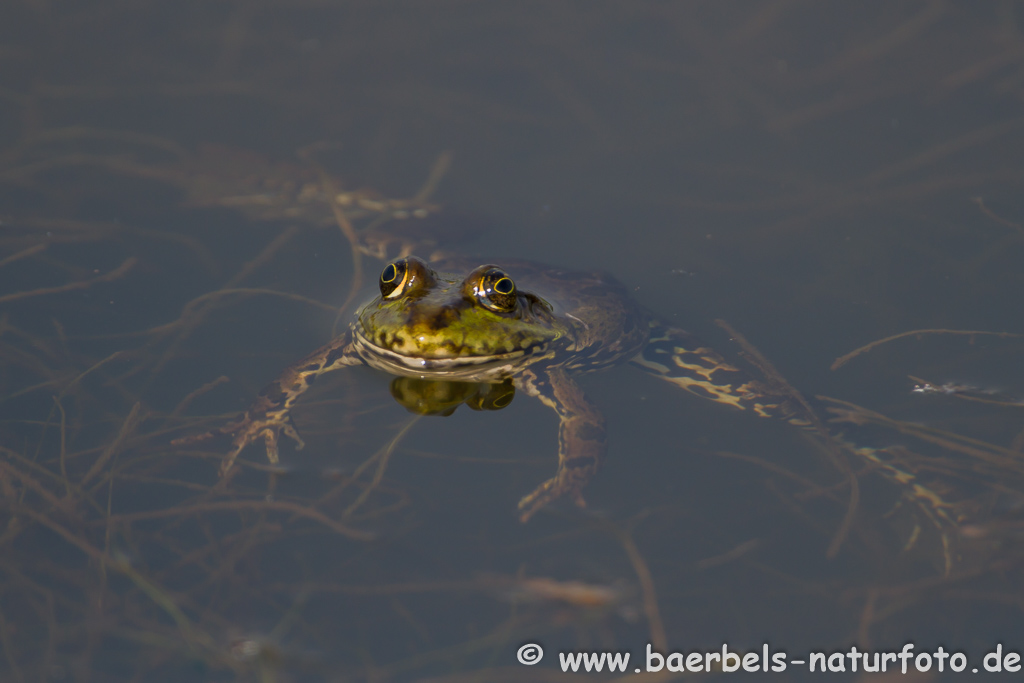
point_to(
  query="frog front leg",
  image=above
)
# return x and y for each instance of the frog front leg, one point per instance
(581, 437)
(269, 414)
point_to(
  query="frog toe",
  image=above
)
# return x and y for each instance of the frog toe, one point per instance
(547, 492)
(533, 502)
(271, 436)
(250, 430)
(289, 430)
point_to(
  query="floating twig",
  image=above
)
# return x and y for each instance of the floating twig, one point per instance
(980, 201)
(234, 505)
(118, 272)
(24, 253)
(844, 359)
(196, 394)
(833, 448)
(127, 427)
(643, 574)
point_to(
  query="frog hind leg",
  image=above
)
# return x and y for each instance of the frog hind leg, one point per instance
(269, 414)
(678, 357)
(581, 437)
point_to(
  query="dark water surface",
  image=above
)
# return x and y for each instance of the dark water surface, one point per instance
(818, 175)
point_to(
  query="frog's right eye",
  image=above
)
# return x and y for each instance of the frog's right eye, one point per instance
(393, 279)
(406, 276)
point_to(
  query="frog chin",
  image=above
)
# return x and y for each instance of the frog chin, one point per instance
(479, 368)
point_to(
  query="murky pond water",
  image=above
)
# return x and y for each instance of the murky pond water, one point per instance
(826, 179)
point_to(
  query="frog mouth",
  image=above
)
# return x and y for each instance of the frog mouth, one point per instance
(489, 366)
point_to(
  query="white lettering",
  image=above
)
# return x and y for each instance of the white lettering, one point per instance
(905, 654)
(651, 655)
(727, 657)
(853, 654)
(594, 661)
(997, 656)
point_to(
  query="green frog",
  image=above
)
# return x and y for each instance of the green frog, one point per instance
(497, 329)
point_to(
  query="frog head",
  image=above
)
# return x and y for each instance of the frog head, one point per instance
(429, 320)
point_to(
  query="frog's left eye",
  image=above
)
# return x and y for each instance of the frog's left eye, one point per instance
(496, 291)
(393, 279)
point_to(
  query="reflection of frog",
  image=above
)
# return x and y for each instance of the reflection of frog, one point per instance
(519, 327)
(440, 397)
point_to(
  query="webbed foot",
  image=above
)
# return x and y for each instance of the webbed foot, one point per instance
(269, 415)
(560, 485)
(248, 430)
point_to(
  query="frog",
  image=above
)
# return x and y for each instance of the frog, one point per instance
(455, 330)
(495, 327)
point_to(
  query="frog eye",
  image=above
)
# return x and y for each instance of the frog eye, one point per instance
(393, 279)
(496, 291)
(405, 276)
(504, 286)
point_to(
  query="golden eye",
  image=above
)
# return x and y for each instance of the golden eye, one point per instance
(496, 291)
(504, 286)
(392, 279)
(405, 277)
